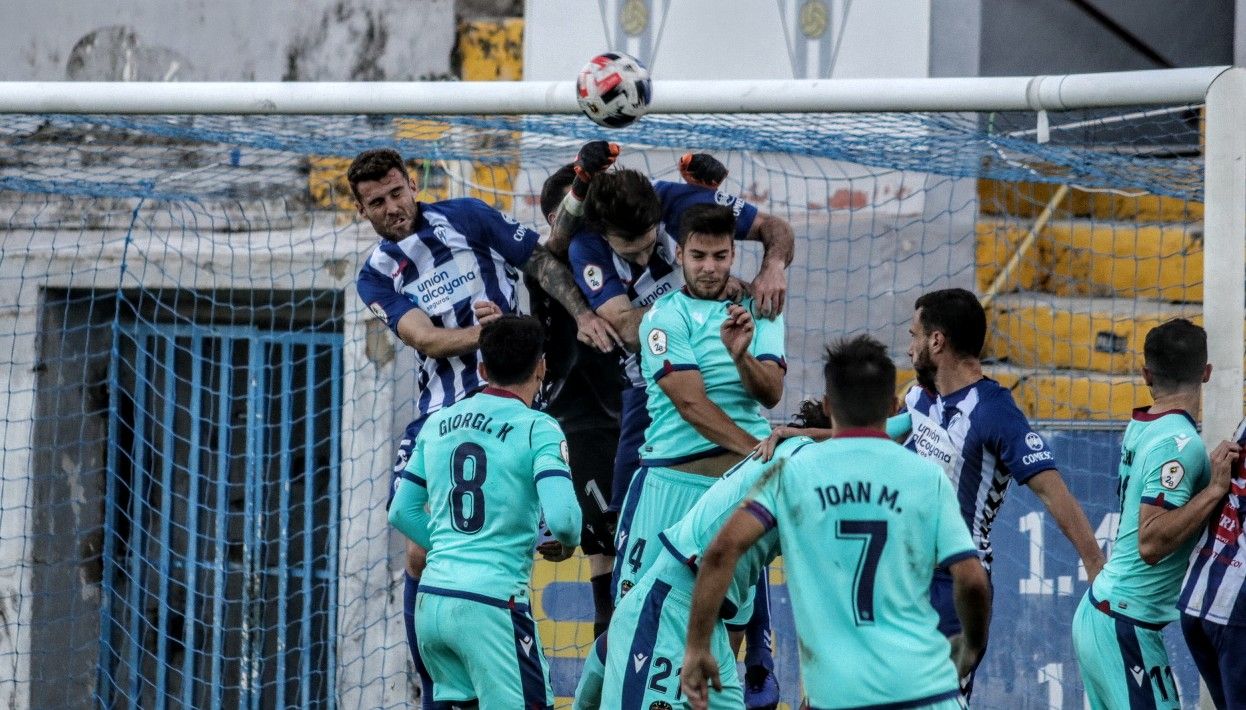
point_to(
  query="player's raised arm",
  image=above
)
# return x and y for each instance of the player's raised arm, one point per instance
(700, 669)
(762, 375)
(778, 241)
(594, 157)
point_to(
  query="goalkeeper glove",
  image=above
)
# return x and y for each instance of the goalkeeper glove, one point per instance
(594, 158)
(702, 169)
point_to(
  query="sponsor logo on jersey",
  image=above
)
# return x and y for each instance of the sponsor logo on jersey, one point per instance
(1181, 441)
(1036, 457)
(1171, 474)
(638, 661)
(526, 643)
(379, 312)
(1139, 674)
(445, 286)
(657, 341)
(566, 452)
(593, 277)
(1034, 441)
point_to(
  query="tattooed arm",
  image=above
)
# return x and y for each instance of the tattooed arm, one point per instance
(555, 278)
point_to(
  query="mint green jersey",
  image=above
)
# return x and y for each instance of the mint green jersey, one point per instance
(688, 539)
(682, 333)
(1163, 463)
(863, 523)
(480, 460)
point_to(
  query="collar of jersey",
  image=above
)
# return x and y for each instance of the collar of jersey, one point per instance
(860, 433)
(961, 393)
(499, 392)
(1142, 415)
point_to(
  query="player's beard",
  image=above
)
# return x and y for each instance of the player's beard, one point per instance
(398, 229)
(925, 368)
(707, 292)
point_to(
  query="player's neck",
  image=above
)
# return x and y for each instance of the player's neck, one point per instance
(1189, 401)
(957, 375)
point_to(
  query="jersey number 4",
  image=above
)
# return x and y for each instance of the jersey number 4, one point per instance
(467, 497)
(874, 534)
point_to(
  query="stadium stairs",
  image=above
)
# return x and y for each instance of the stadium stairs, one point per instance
(1066, 327)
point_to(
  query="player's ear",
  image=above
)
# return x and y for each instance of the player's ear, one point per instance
(482, 372)
(539, 373)
(1149, 379)
(1206, 372)
(679, 254)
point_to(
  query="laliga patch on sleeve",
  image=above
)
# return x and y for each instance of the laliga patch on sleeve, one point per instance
(379, 312)
(566, 452)
(657, 341)
(593, 277)
(1171, 474)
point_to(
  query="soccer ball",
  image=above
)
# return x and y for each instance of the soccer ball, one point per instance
(613, 89)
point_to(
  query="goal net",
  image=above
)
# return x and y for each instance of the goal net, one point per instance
(201, 416)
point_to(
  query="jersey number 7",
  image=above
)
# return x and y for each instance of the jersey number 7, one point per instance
(874, 534)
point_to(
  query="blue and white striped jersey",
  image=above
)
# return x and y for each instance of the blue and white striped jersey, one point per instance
(1217, 572)
(462, 251)
(602, 274)
(982, 441)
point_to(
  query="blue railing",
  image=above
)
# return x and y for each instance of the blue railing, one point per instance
(220, 550)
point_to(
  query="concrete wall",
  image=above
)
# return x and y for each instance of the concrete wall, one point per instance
(1024, 37)
(227, 40)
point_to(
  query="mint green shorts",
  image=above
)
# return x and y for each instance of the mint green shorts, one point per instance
(645, 645)
(1124, 664)
(478, 648)
(657, 499)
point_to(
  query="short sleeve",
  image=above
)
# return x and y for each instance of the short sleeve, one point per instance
(501, 232)
(764, 504)
(414, 470)
(1015, 444)
(549, 449)
(952, 540)
(677, 197)
(593, 268)
(768, 338)
(665, 345)
(1172, 474)
(378, 294)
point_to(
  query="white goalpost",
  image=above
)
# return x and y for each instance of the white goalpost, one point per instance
(138, 212)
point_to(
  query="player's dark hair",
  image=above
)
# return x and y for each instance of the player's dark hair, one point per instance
(1176, 354)
(957, 314)
(860, 381)
(811, 416)
(511, 347)
(717, 220)
(622, 201)
(555, 187)
(374, 164)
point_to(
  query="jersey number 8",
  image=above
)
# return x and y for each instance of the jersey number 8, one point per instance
(467, 499)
